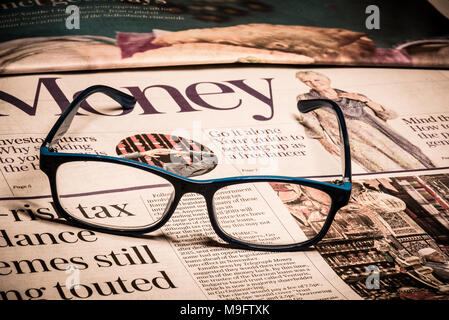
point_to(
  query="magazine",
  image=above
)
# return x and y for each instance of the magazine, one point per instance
(49, 36)
(389, 242)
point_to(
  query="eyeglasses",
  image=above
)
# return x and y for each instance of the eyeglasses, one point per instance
(120, 195)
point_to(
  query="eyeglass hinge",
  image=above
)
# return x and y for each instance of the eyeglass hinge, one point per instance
(340, 182)
(50, 148)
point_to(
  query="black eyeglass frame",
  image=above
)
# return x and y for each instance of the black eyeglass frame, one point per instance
(50, 160)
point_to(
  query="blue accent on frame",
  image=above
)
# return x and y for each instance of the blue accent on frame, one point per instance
(50, 160)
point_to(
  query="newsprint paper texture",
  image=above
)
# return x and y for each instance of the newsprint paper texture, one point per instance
(390, 242)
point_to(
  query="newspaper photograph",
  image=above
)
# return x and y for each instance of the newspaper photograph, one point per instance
(389, 242)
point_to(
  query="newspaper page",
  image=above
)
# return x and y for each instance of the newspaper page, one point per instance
(390, 242)
(48, 36)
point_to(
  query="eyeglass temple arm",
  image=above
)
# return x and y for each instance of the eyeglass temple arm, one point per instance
(305, 106)
(63, 124)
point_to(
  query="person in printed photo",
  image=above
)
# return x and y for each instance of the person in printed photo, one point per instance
(374, 144)
(175, 154)
(435, 260)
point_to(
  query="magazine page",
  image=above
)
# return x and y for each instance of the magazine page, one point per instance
(49, 36)
(380, 246)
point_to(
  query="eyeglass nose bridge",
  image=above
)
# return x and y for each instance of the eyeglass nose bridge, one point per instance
(203, 189)
(198, 187)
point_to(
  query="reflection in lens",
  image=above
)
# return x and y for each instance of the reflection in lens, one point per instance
(112, 195)
(290, 215)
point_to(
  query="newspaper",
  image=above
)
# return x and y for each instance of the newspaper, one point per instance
(390, 242)
(49, 36)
